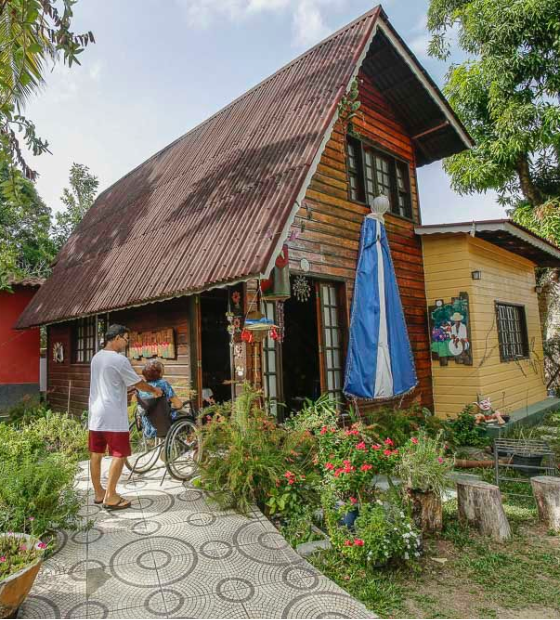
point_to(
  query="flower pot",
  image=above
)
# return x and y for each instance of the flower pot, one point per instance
(349, 518)
(15, 588)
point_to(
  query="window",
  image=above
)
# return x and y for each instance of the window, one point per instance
(512, 332)
(270, 363)
(372, 173)
(87, 338)
(332, 339)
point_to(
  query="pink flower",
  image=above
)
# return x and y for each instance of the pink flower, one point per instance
(353, 500)
(347, 463)
(366, 467)
(41, 545)
(376, 447)
(3, 558)
(339, 471)
(394, 452)
(32, 518)
(323, 430)
(23, 548)
(361, 445)
(414, 440)
(358, 542)
(440, 460)
(329, 466)
(387, 452)
(288, 474)
(348, 543)
(351, 432)
(389, 442)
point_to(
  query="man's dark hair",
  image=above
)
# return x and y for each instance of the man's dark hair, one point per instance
(114, 331)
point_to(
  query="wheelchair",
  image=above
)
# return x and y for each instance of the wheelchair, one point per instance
(180, 450)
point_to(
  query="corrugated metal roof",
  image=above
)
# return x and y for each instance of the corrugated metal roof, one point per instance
(505, 234)
(210, 208)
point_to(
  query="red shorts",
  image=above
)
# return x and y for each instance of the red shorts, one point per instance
(117, 442)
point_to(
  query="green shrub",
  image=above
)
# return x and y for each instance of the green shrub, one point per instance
(422, 465)
(26, 411)
(297, 527)
(38, 462)
(37, 496)
(248, 458)
(314, 415)
(464, 431)
(383, 532)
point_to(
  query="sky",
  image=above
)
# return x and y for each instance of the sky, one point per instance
(160, 67)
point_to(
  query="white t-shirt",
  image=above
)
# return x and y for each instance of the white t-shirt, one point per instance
(111, 375)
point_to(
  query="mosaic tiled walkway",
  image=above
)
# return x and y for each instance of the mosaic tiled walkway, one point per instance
(175, 555)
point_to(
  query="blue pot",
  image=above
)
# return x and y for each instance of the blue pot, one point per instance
(349, 518)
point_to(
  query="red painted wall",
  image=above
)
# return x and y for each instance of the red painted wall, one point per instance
(19, 349)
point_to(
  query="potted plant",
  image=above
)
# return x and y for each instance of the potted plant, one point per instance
(422, 468)
(350, 464)
(21, 556)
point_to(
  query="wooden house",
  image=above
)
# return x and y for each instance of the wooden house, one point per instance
(19, 350)
(190, 234)
(488, 267)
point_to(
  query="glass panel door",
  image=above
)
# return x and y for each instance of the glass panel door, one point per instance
(332, 340)
(271, 365)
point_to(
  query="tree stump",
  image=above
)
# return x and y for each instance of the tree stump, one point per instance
(546, 490)
(480, 505)
(427, 510)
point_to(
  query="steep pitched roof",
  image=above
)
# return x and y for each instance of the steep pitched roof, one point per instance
(215, 205)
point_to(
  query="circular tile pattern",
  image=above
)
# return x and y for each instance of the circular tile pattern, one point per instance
(272, 540)
(95, 609)
(201, 519)
(152, 600)
(161, 558)
(190, 495)
(235, 590)
(216, 550)
(124, 562)
(39, 607)
(324, 604)
(300, 577)
(146, 561)
(155, 502)
(173, 601)
(146, 528)
(78, 571)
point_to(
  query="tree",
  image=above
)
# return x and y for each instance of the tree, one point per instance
(78, 199)
(507, 95)
(25, 244)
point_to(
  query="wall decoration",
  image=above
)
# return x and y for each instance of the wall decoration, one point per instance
(277, 287)
(301, 289)
(58, 353)
(150, 344)
(304, 265)
(450, 331)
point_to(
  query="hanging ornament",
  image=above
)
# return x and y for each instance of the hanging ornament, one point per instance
(246, 336)
(280, 320)
(301, 289)
(236, 298)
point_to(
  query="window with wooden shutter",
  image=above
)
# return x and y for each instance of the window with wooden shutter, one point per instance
(512, 332)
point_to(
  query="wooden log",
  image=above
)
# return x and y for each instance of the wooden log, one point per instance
(480, 505)
(546, 490)
(427, 510)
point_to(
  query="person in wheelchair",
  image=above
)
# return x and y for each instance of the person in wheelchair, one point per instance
(153, 372)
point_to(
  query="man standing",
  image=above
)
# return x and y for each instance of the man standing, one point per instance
(111, 375)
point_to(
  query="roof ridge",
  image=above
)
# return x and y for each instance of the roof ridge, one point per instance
(377, 10)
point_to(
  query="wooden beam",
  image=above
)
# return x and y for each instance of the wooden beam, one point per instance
(431, 130)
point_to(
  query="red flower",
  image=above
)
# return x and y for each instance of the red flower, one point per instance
(353, 500)
(394, 452)
(329, 466)
(351, 432)
(339, 471)
(323, 430)
(361, 445)
(389, 442)
(366, 467)
(358, 542)
(387, 452)
(348, 543)
(376, 447)
(414, 440)
(440, 460)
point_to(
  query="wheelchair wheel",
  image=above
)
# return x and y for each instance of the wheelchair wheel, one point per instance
(182, 450)
(145, 451)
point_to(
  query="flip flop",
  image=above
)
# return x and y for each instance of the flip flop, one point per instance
(122, 504)
(98, 501)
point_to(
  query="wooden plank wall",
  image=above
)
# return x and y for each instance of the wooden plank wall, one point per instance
(328, 225)
(175, 313)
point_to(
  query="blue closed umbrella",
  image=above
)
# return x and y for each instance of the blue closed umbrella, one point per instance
(379, 363)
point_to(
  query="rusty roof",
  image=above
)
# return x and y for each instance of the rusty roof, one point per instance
(215, 206)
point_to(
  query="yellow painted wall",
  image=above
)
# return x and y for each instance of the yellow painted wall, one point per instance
(448, 263)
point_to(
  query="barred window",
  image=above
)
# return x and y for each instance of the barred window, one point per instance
(512, 332)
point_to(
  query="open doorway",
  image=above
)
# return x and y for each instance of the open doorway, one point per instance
(300, 352)
(216, 365)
